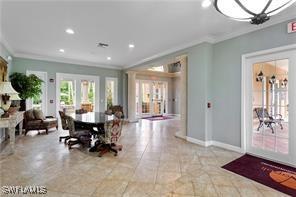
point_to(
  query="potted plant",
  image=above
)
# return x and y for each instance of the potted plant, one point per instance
(28, 87)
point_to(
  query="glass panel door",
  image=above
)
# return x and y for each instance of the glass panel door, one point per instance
(67, 96)
(158, 98)
(111, 92)
(138, 110)
(272, 108)
(151, 97)
(87, 95)
(145, 90)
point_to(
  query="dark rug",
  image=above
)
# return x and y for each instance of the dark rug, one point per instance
(277, 176)
(159, 117)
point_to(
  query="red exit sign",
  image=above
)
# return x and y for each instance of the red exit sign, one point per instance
(292, 27)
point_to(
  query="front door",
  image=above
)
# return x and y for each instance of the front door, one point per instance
(272, 120)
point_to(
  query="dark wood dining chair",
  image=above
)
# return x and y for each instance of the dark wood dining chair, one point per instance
(64, 126)
(77, 136)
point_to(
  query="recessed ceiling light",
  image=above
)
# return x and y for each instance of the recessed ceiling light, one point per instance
(70, 31)
(108, 58)
(62, 50)
(206, 3)
(131, 46)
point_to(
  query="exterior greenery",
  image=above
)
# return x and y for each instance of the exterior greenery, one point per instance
(26, 86)
(91, 92)
(67, 93)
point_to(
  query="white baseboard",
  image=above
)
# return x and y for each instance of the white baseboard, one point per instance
(133, 121)
(215, 143)
(177, 115)
(199, 142)
(227, 146)
(180, 135)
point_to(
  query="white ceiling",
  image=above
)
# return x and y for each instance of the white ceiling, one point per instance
(37, 29)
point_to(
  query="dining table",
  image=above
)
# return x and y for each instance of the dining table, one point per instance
(92, 118)
(92, 121)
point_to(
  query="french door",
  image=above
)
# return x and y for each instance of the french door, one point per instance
(77, 92)
(151, 98)
(271, 106)
(67, 95)
(158, 98)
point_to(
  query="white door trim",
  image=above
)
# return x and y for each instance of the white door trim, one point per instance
(28, 72)
(245, 87)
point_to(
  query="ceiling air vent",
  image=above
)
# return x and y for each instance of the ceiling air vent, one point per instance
(102, 45)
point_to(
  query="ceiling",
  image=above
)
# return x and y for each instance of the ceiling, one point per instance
(37, 29)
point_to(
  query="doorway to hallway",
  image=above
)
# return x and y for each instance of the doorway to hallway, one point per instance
(147, 99)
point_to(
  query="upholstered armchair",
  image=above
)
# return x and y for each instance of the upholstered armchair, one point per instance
(114, 109)
(64, 126)
(34, 120)
(77, 136)
(81, 111)
(112, 132)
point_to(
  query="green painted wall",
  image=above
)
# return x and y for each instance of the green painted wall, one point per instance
(199, 64)
(214, 75)
(226, 77)
(22, 65)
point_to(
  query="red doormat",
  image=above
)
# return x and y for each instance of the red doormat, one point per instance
(271, 174)
(159, 117)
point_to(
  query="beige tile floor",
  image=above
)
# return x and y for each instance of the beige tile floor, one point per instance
(153, 163)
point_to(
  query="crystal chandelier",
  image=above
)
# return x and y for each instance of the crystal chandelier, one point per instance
(254, 11)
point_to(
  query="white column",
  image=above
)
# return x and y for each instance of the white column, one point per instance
(183, 100)
(132, 96)
(85, 92)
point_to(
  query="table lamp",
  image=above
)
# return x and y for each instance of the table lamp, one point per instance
(6, 90)
(15, 97)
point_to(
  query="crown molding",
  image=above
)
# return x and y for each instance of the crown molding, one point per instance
(208, 39)
(253, 28)
(173, 50)
(213, 40)
(4, 42)
(65, 60)
(155, 73)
